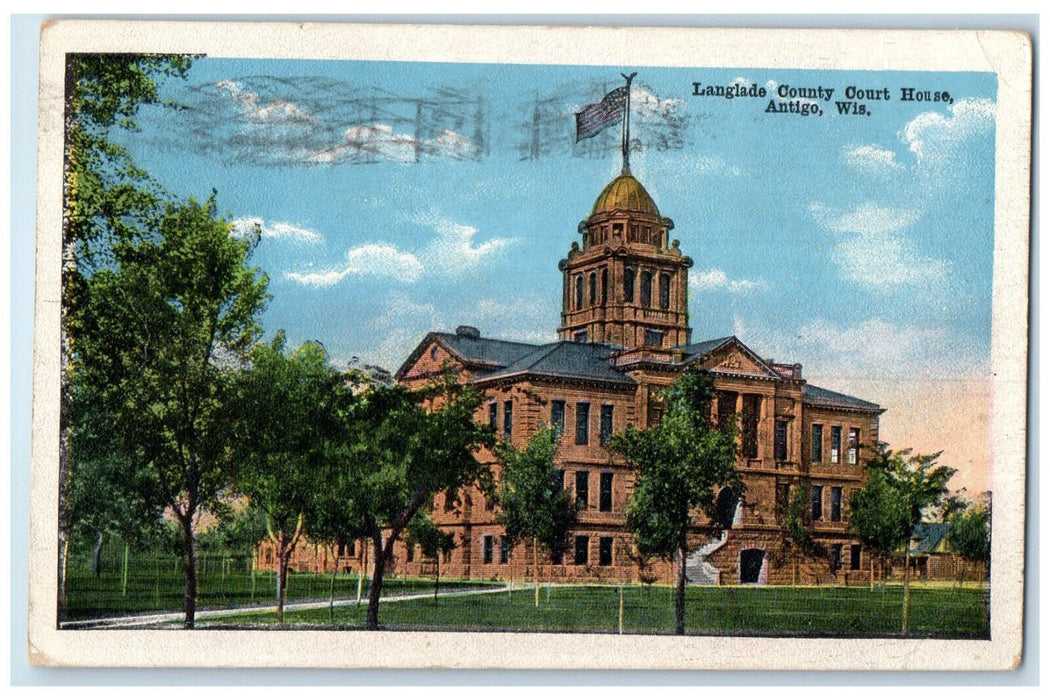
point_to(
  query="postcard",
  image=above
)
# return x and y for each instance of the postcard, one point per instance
(434, 346)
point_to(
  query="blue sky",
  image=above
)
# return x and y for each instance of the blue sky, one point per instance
(398, 198)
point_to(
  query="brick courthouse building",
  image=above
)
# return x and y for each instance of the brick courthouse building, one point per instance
(624, 335)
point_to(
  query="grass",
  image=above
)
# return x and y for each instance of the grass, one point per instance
(157, 586)
(946, 612)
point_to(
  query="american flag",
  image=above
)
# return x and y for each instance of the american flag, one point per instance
(598, 115)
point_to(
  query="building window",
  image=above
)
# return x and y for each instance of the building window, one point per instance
(486, 554)
(780, 440)
(605, 492)
(628, 284)
(816, 511)
(836, 504)
(836, 443)
(606, 431)
(504, 550)
(582, 545)
(592, 288)
(836, 557)
(446, 556)
(579, 337)
(508, 418)
(559, 479)
(853, 445)
(558, 415)
(647, 288)
(583, 423)
(654, 337)
(582, 487)
(578, 282)
(752, 411)
(410, 552)
(557, 558)
(605, 546)
(493, 412)
(854, 557)
(782, 497)
(726, 407)
(665, 290)
(816, 444)
(605, 286)
(433, 352)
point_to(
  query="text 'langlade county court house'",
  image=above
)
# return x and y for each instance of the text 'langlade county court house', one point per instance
(625, 335)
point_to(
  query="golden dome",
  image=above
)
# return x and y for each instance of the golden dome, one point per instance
(625, 193)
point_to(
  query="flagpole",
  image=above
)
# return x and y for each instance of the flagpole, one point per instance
(626, 132)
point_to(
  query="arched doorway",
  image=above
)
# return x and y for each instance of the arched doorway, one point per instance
(751, 562)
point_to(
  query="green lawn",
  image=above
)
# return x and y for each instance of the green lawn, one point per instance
(157, 586)
(806, 611)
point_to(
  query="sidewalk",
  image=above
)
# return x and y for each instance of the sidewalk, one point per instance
(176, 617)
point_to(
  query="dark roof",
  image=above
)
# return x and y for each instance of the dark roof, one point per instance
(817, 396)
(704, 347)
(565, 359)
(485, 350)
(929, 535)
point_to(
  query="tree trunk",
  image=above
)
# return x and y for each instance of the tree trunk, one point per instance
(96, 554)
(679, 596)
(871, 573)
(375, 586)
(536, 568)
(331, 588)
(282, 574)
(189, 599)
(63, 564)
(437, 575)
(907, 592)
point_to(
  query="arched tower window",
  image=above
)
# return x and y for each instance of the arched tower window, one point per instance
(628, 284)
(665, 290)
(579, 291)
(647, 288)
(593, 288)
(605, 286)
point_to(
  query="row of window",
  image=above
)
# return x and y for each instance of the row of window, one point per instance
(599, 293)
(817, 495)
(750, 412)
(653, 337)
(583, 482)
(580, 550)
(641, 234)
(816, 454)
(557, 420)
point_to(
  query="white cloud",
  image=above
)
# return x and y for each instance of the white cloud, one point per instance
(370, 260)
(454, 249)
(877, 254)
(717, 280)
(245, 226)
(872, 159)
(933, 136)
(275, 112)
(646, 104)
(380, 141)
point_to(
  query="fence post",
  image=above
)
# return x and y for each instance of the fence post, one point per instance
(124, 577)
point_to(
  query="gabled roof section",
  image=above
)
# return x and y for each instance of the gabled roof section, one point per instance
(474, 352)
(697, 352)
(565, 358)
(928, 536)
(816, 396)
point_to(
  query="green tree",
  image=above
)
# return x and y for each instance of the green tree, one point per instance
(681, 464)
(970, 533)
(164, 330)
(532, 498)
(433, 542)
(914, 485)
(408, 447)
(797, 538)
(290, 411)
(879, 518)
(105, 199)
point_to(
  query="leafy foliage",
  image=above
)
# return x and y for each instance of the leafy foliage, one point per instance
(532, 499)
(879, 516)
(682, 465)
(970, 533)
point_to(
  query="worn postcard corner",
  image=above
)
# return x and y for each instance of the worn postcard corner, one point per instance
(529, 347)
